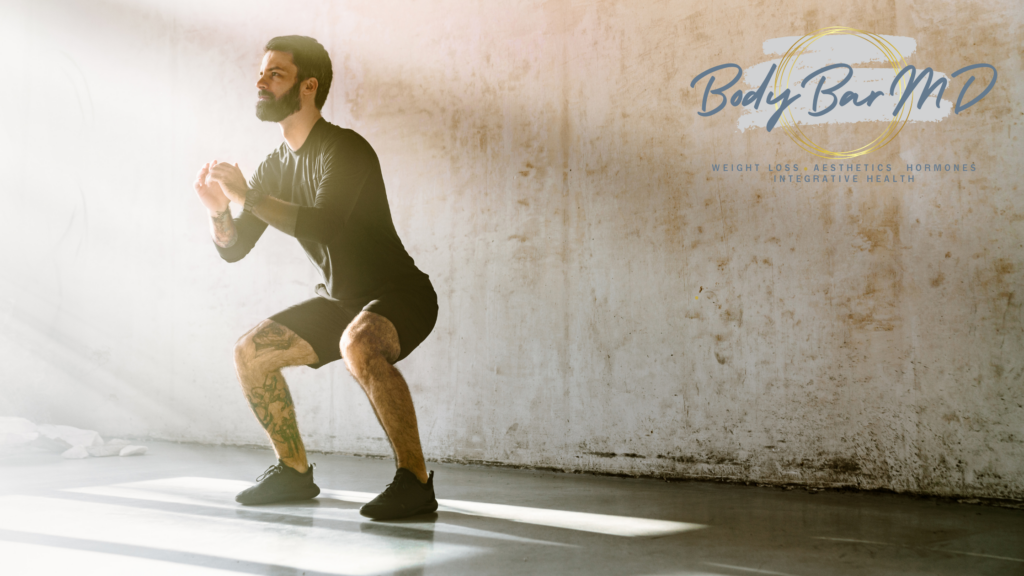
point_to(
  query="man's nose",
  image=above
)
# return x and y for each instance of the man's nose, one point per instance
(260, 83)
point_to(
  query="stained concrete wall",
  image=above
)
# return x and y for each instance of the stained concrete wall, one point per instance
(608, 301)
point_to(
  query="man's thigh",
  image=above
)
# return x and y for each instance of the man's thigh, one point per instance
(411, 309)
(270, 346)
(319, 322)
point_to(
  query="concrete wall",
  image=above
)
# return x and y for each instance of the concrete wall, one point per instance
(608, 302)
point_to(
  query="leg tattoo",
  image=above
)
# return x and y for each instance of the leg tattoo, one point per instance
(259, 357)
(273, 337)
(273, 406)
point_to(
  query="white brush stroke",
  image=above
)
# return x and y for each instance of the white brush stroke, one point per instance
(837, 49)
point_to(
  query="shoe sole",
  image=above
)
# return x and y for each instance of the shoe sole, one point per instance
(426, 509)
(290, 497)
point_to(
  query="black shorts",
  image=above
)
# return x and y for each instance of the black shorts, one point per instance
(410, 305)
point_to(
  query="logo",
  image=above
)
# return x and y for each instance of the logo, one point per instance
(806, 87)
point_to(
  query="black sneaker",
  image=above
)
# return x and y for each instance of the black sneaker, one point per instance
(405, 496)
(280, 483)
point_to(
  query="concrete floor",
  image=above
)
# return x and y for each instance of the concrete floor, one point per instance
(172, 512)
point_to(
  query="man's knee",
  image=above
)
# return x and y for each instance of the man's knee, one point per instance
(245, 348)
(369, 338)
(359, 355)
(271, 346)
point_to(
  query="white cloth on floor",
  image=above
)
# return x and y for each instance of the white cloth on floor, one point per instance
(111, 448)
(19, 433)
(76, 452)
(73, 436)
(133, 450)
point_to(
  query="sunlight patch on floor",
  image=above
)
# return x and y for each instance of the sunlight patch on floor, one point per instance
(220, 493)
(303, 546)
(37, 560)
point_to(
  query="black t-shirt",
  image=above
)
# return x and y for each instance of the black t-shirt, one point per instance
(344, 222)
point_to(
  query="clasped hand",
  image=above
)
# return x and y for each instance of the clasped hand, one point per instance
(231, 180)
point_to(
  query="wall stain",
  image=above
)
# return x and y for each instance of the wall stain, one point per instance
(616, 454)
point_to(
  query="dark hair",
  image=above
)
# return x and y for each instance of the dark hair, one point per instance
(311, 60)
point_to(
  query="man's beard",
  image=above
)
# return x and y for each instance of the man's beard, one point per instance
(277, 109)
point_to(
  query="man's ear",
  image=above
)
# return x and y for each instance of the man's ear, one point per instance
(310, 86)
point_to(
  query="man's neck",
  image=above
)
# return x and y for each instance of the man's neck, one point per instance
(296, 127)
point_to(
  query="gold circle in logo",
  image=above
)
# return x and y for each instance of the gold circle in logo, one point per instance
(788, 63)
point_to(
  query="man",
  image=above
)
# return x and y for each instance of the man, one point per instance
(323, 186)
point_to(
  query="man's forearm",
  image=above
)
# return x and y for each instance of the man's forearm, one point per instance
(222, 227)
(278, 213)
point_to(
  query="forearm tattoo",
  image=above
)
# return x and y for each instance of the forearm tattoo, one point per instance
(224, 232)
(272, 404)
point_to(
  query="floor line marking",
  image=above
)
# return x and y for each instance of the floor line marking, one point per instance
(855, 541)
(977, 554)
(745, 569)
